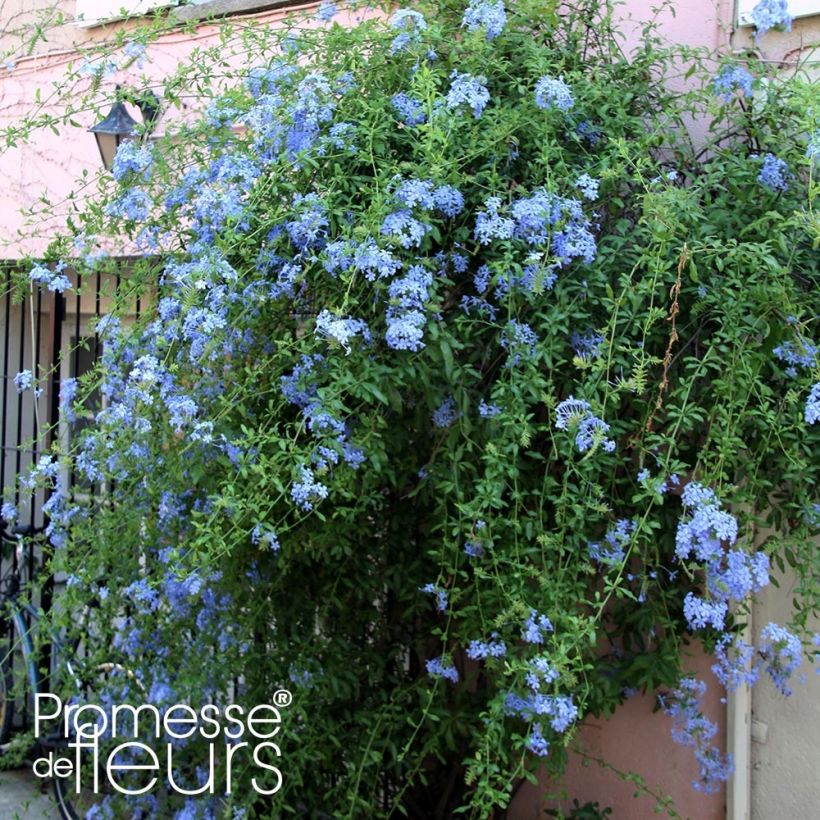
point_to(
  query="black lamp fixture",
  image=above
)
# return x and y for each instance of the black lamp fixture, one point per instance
(120, 126)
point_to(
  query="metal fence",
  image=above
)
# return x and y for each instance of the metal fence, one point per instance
(53, 336)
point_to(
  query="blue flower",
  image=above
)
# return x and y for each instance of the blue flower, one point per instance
(441, 595)
(405, 316)
(404, 228)
(491, 225)
(23, 381)
(769, 14)
(731, 78)
(488, 411)
(309, 229)
(519, 339)
(704, 533)
(812, 412)
(465, 89)
(131, 204)
(588, 186)
(800, 353)
(736, 663)
(488, 14)
(448, 200)
(494, 648)
(327, 11)
(341, 330)
(446, 413)
(365, 257)
(307, 490)
(536, 628)
(587, 346)
(691, 728)
(536, 742)
(782, 653)
(8, 512)
(590, 430)
(409, 109)
(552, 93)
(132, 158)
(700, 613)
(410, 23)
(442, 668)
(774, 174)
(612, 552)
(54, 280)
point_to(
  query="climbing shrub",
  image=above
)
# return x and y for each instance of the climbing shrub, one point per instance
(475, 390)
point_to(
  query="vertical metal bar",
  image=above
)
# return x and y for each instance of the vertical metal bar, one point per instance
(55, 320)
(19, 560)
(4, 624)
(97, 290)
(6, 337)
(18, 454)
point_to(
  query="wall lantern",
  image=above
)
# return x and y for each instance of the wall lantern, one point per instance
(120, 126)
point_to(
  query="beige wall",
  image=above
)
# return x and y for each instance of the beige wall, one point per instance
(785, 739)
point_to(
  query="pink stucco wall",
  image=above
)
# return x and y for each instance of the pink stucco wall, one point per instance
(636, 739)
(51, 166)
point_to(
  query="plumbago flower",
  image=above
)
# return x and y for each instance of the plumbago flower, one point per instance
(343, 449)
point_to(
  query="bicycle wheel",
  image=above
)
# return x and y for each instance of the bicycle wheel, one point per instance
(6, 693)
(74, 805)
(71, 805)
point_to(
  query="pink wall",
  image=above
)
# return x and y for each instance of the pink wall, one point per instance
(635, 739)
(49, 165)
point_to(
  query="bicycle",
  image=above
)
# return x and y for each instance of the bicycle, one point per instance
(16, 641)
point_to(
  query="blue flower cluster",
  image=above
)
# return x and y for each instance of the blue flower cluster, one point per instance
(54, 280)
(536, 627)
(691, 728)
(540, 218)
(812, 411)
(439, 593)
(769, 14)
(481, 650)
(613, 551)
(405, 314)
(576, 414)
(553, 93)
(446, 414)
(442, 667)
(24, 380)
(409, 109)
(410, 24)
(467, 90)
(587, 346)
(774, 174)
(730, 574)
(132, 160)
(588, 186)
(327, 11)
(732, 78)
(340, 330)
(782, 654)
(518, 339)
(801, 353)
(489, 15)
(307, 490)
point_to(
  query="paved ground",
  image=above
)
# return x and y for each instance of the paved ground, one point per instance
(20, 797)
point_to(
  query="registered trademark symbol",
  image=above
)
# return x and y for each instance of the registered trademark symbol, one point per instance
(282, 697)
